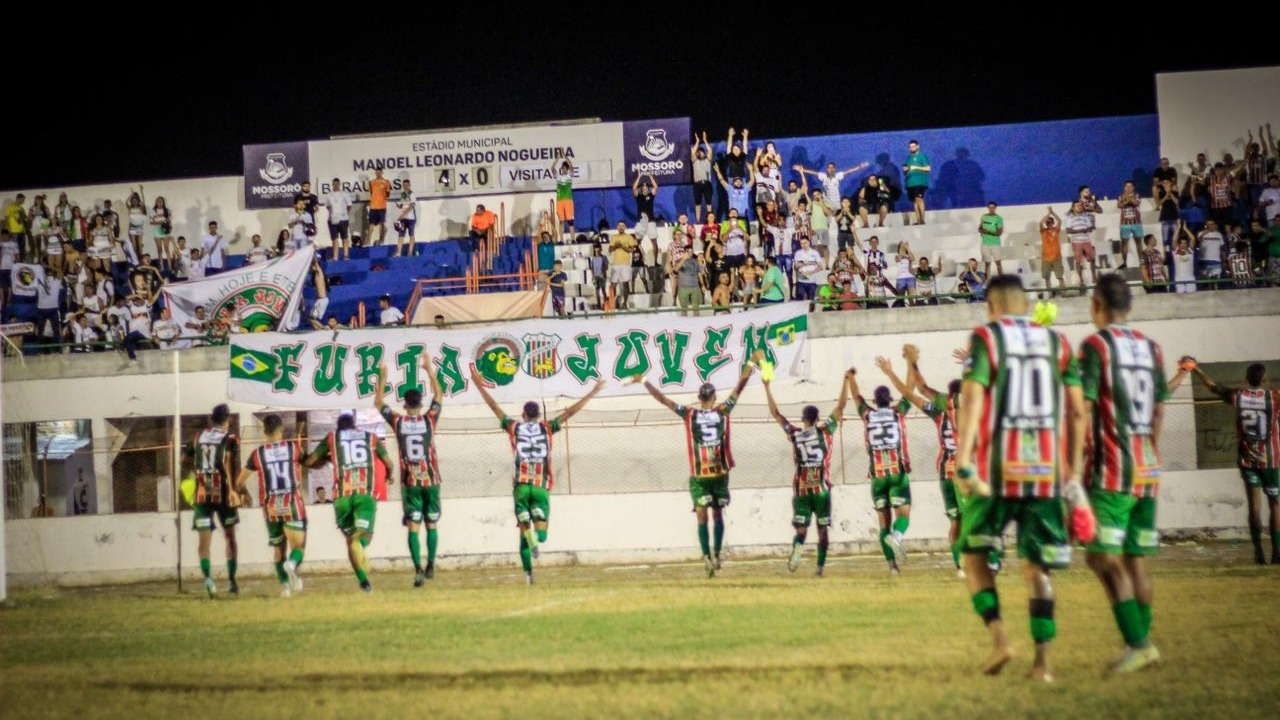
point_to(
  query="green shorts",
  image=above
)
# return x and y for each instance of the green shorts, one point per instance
(1266, 478)
(533, 503)
(1042, 528)
(817, 504)
(891, 491)
(1126, 523)
(421, 501)
(204, 513)
(709, 492)
(949, 499)
(355, 513)
(276, 528)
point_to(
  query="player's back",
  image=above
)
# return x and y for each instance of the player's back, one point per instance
(1122, 372)
(1257, 413)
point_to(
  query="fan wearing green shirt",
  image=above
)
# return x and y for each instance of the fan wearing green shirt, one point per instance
(916, 168)
(990, 229)
(771, 287)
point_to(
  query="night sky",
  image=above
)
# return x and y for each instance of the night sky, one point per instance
(178, 98)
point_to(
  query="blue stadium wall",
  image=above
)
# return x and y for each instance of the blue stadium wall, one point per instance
(1017, 164)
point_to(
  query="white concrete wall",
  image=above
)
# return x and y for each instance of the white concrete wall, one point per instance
(1212, 111)
(584, 528)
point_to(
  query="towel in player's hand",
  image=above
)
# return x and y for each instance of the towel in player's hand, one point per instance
(1083, 525)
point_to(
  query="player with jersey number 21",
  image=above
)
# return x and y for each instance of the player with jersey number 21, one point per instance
(1020, 380)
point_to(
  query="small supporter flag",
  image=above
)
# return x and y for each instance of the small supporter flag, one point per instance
(249, 364)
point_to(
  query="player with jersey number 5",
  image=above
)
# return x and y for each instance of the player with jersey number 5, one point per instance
(811, 444)
(419, 473)
(278, 464)
(1122, 375)
(706, 430)
(532, 478)
(1020, 378)
(353, 453)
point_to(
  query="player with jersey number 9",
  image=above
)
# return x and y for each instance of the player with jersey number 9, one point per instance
(530, 438)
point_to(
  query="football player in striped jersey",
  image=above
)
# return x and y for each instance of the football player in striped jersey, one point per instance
(278, 464)
(889, 467)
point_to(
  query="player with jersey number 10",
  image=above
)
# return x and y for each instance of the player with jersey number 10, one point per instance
(532, 478)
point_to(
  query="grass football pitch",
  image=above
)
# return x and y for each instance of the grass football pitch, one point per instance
(656, 641)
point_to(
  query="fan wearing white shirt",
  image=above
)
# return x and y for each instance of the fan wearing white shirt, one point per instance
(212, 250)
(810, 270)
(165, 332)
(407, 221)
(258, 253)
(301, 225)
(388, 314)
(338, 202)
(139, 327)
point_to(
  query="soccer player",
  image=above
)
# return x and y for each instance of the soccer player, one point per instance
(1122, 375)
(419, 473)
(1258, 448)
(531, 442)
(811, 443)
(215, 452)
(1019, 378)
(889, 469)
(352, 452)
(706, 429)
(278, 463)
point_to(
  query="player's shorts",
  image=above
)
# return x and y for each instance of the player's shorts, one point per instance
(1266, 478)
(420, 501)
(1082, 251)
(204, 513)
(709, 492)
(817, 504)
(988, 253)
(533, 503)
(702, 193)
(1042, 528)
(355, 513)
(377, 217)
(916, 191)
(340, 230)
(1126, 523)
(620, 274)
(1134, 231)
(276, 530)
(1051, 267)
(891, 490)
(564, 210)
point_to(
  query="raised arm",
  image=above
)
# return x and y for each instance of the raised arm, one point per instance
(773, 406)
(478, 381)
(379, 399)
(720, 177)
(860, 166)
(843, 400)
(1213, 387)
(852, 375)
(803, 171)
(581, 403)
(903, 389)
(746, 374)
(653, 181)
(635, 186)
(657, 395)
(437, 392)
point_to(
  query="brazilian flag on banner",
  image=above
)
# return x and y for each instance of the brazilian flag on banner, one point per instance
(249, 364)
(787, 332)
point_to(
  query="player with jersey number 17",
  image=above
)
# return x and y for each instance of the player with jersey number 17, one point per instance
(1019, 381)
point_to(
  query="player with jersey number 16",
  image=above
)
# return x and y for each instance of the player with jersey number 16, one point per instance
(1019, 381)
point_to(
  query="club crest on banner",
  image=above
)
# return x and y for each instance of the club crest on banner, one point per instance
(540, 357)
(277, 169)
(498, 359)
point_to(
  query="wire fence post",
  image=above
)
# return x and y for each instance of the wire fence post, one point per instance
(175, 463)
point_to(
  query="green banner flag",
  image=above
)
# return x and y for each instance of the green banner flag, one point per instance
(249, 364)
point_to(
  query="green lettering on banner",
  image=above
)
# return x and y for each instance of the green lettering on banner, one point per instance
(632, 358)
(410, 361)
(753, 339)
(712, 357)
(287, 363)
(449, 371)
(585, 367)
(328, 378)
(369, 357)
(671, 346)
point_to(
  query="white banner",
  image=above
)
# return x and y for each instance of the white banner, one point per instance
(254, 297)
(519, 361)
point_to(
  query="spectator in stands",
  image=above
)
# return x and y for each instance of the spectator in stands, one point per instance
(820, 214)
(926, 282)
(847, 270)
(829, 294)
(916, 169)
(875, 196)
(599, 274)
(438, 320)
(771, 288)
(310, 200)
(145, 279)
(1164, 172)
(48, 307)
(112, 217)
(563, 173)
(735, 162)
(136, 217)
(481, 227)
(750, 276)
(1079, 225)
(905, 282)
(138, 329)
(620, 275)
(257, 253)
(1221, 199)
(879, 289)
(990, 230)
(873, 255)
(322, 496)
(1154, 277)
(639, 276)
(388, 314)
(1269, 199)
(722, 295)
(15, 219)
(77, 229)
(733, 231)
(830, 179)
(379, 191)
(39, 219)
(1051, 250)
(1239, 266)
(1211, 242)
(792, 195)
(1184, 273)
(972, 280)
(180, 261)
(1129, 203)
(738, 193)
(165, 333)
(771, 228)
(644, 193)
(544, 248)
(301, 225)
(162, 232)
(197, 327)
(406, 220)
(338, 204)
(556, 280)
(683, 233)
(9, 254)
(846, 226)
(768, 183)
(700, 153)
(81, 334)
(213, 250)
(809, 271)
(1166, 199)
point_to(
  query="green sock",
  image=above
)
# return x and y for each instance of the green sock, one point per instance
(1275, 541)
(542, 535)
(281, 575)
(704, 539)
(231, 570)
(433, 540)
(296, 556)
(798, 539)
(415, 551)
(1043, 628)
(1255, 534)
(884, 545)
(364, 541)
(955, 555)
(719, 534)
(1129, 620)
(900, 524)
(987, 604)
(361, 576)
(526, 555)
(822, 553)
(205, 566)
(1144, 612)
